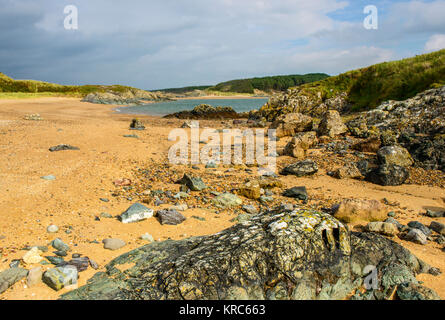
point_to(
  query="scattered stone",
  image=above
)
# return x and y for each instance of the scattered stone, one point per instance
(181, 195)
(250, 190)
(391, 214)
(80, 263)
(131, 136)
(265, 199)
(299, 193)
(435, 214)
(34, 276)
(55, 260)
(388, 175)
(52, 229)
(250, 209)
(399, 226)
(33, 117)
(48, 178)
(416, 236)
(136, 212)
(385, 228)
(106, 215)
(60, 253)
(76, 255)
(62, 147)
(193, 183)
(352, 210)
(420, 226)
(438, 227)
(300, 144)
(290, 124)
(227, 200)
(59, 245)
(10, 276)
(147, 237)
(170, 217)
(180, 207)
(267, 182)
(60, 277)
(302, 168)
(349, 171)
(394, 155)
(331, 124)
(93, 264)
(113, 244)
(104, 200)
(199, 218)
(32, 256)
(15, 263)
(136, 124)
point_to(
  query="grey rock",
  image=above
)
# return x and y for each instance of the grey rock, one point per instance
(394, 155)
(60, 277)
(416, 236)
(147, 237)
(136, 212)
(93, 264)
(52, 229)
(388, 175)
(62, 147)
(170, 217)
(55, 260)
(113, 244)
(227, 200)
(299, 193)
(435, 214)
(438, 227)
(305, 254)
(106, 215)
(60, 253)
(193, 183)
(250, 209)
(301, 168)
(10, 276)
(14, 263)
(60, 245)
(48, 178)
(420, 226)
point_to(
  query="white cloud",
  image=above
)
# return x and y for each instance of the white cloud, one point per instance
(435, 42)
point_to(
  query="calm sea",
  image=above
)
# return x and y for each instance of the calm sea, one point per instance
(164, 108)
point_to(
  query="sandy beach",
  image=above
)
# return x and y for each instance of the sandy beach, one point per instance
(72, 201)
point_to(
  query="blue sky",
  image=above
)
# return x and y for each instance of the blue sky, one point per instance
(171, 43)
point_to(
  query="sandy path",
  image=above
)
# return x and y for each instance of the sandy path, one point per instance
(29, 204)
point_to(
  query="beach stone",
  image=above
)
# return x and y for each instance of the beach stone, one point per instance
(55, 260)
(93, 264)
(10, 276)
(300, 144)
(438, 227)
(385, 228)
(250, 209)
(267, 182)
(60, 253)
(147, 237)
(193, 183)
(299, 193)
(303, 249)
(331, 124)
(394, 155)
(60, 277)
(420, 226)
(352, 210)
(81, 263)
(250, 190)
(136, 212)
(388, 175)
(435, 214)
(52, 229)
(32, 256)
(289, 124)
(226, 200)
(349, 171)
(180, 207)
(58, 244)
(302, 168)
(170, 217)
(34, 276)
(399, 226)
(62, 147)
(136, 124)
(416, 236)
(113, 244)
(106, 215)
(48, 178)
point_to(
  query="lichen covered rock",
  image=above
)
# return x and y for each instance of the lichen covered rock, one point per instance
(301, 254)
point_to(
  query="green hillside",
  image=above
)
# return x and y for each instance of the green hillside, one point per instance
(396, 80)
(267, 84)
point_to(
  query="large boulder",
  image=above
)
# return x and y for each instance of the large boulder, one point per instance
(300, 144)
(394, 155)
(388, 175)
(353, 210)
(282, 255)
(289, 124)
(331, 124)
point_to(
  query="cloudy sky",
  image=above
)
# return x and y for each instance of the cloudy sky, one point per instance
(154, 44)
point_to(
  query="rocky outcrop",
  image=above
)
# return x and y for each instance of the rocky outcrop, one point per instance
(301, 254)
(331, 124)
(206, 112)
(125, 97)
(300, 144)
